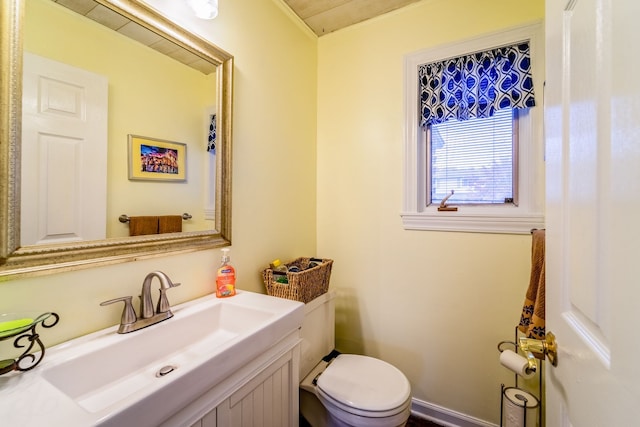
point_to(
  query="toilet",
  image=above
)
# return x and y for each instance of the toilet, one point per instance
(346, 389)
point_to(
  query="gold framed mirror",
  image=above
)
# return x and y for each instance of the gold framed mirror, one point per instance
(16, 260)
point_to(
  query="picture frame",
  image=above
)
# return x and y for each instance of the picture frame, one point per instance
(152, 159)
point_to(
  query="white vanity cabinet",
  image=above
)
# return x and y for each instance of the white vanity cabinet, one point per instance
(264, 393)
(270, 399)
(208, 420)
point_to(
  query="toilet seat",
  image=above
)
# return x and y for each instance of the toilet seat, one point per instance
(364, 386)
(333, 405)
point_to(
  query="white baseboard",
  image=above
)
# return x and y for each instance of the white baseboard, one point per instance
(444, 416)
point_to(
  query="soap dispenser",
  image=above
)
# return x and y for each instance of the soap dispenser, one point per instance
(225, 277)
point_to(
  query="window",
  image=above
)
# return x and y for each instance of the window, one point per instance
(494, 164)
(473, 158)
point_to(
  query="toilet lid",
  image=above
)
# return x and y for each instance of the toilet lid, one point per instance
(366, 383)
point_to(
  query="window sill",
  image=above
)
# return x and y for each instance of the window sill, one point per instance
(477, 221)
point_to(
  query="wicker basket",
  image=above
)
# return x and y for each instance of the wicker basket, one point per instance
(303, 286)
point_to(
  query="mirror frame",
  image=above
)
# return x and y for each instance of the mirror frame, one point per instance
(16, 261)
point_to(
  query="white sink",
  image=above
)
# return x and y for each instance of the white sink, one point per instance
(113, 378)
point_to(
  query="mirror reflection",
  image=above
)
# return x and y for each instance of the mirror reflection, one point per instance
(137, 93)
(86, 88)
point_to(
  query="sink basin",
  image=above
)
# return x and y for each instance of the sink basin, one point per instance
(117, 368)
(117, 379)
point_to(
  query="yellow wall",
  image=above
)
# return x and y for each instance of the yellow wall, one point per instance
(435, 304)
(274, 176)
(141, 83)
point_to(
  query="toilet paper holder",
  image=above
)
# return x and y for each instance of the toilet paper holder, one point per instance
(531, 347)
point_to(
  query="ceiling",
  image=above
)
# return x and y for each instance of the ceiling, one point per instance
(110, 19)
(326, 16)
(321, 16)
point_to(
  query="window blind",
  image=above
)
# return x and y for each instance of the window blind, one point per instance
(474, 158)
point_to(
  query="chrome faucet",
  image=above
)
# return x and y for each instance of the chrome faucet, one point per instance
(146, 304)
(129, 322)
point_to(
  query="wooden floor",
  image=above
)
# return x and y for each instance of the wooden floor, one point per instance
(420, 422)
(413, 422)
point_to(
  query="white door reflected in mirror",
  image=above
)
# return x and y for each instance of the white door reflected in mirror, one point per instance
(64, 148)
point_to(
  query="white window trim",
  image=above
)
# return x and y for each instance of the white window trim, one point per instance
(509, 219)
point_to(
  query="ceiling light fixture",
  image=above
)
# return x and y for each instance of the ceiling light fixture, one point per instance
(204, 9)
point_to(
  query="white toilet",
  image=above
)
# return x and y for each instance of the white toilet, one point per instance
(346, 389)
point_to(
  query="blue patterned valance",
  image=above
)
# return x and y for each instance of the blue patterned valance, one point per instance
(476, 85)
(213, 130)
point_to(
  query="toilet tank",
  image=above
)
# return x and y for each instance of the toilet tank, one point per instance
(317, 332)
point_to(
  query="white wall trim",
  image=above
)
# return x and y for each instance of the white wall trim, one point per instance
(444, 416)
(476, 222)
(529, 213)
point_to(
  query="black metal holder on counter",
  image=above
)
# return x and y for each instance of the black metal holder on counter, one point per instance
(25, 337)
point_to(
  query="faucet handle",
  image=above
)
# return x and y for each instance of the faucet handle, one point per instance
(128, 313)
(163, 302)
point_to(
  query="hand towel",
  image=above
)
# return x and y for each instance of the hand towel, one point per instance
(170, 224)
(141, 225)
(532, 319)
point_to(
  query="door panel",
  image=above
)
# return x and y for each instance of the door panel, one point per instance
(593, 205)
(64, 151)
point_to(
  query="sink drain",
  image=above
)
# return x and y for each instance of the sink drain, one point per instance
(166, 370)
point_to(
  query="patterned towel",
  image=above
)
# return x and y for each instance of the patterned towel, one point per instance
(532, 319)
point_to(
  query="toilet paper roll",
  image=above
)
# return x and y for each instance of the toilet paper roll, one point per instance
(518, 407)
(515, 363)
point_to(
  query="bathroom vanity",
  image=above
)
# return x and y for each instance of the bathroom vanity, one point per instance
(216, 362)
(269, 397)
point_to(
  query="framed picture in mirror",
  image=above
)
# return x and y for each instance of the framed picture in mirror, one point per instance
(152, 159)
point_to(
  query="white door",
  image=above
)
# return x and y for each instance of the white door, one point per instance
(592, 120)
(64, 151)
